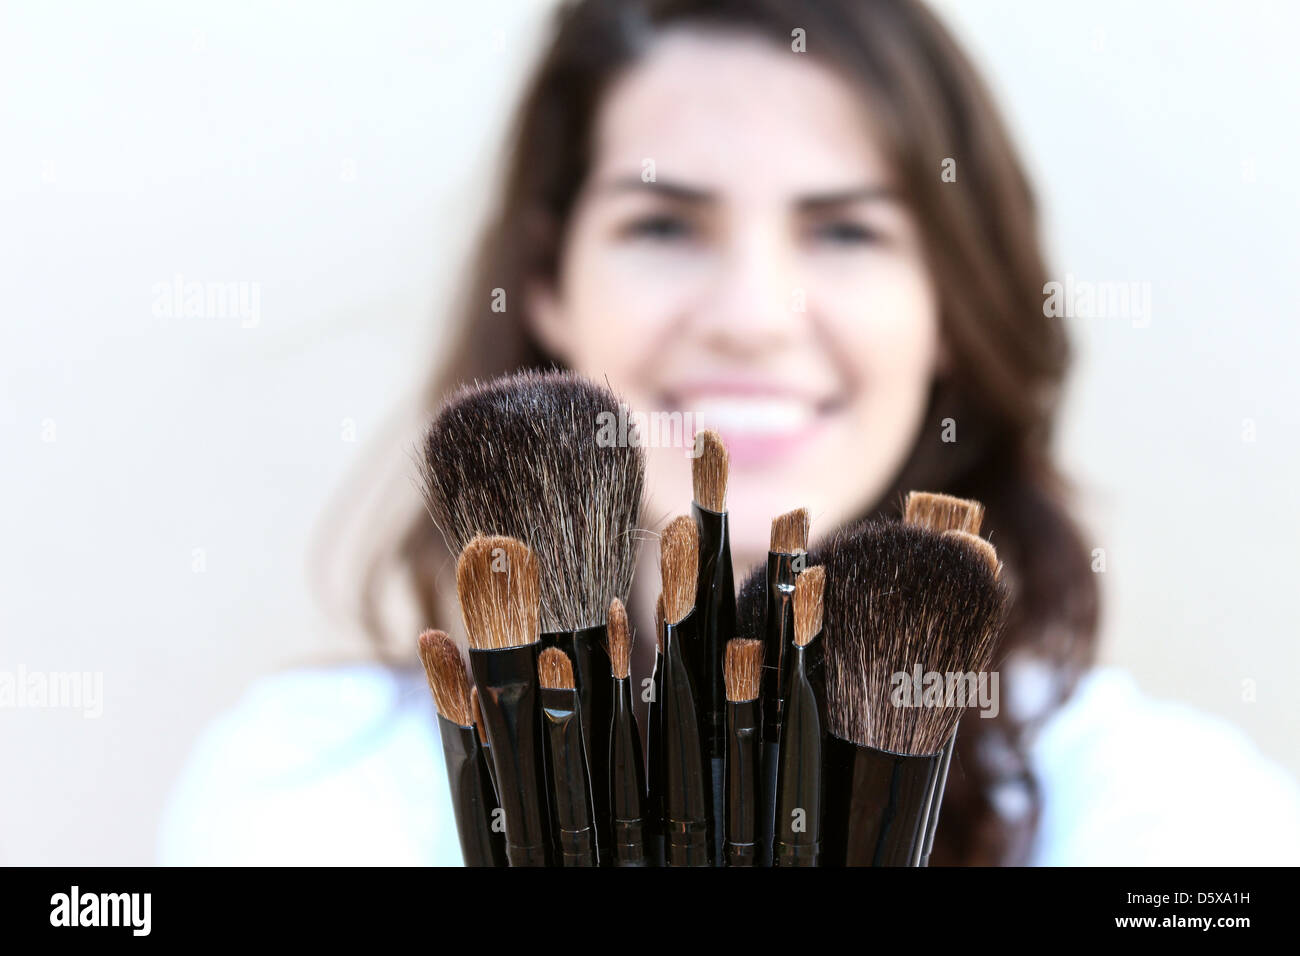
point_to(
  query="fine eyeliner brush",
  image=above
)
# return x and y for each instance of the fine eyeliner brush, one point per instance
(786, 557)
(940, 513)
(567, 767)
(897, 599)
(743, 670)
(532, 456)
(687, 797)
(626, 769)
(655, 745)
(473, 799)
(797, 839)
(715, 602)
(497, 584)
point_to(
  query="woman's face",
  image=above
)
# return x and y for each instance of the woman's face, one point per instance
(737, 256)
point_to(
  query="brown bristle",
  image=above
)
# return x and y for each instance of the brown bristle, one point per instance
(445, 670)
(900, 598)
(808, 590)
(790, 532)
(497, 584)
(709, 471)
(679, 561)
(659, 622)
(620, 641)
(555, 670)
(742, 668)
(942, 512)
(478, 714)
(981, 547)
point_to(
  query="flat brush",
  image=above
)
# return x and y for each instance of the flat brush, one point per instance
(473, 799)
(897, 598)
(786, 557)
(526, 456)
(497, 584)
(626, 770)
(715, 603)
(797, 837)
(743, 670)
(940, 513)
(687, 796)
(567, 765)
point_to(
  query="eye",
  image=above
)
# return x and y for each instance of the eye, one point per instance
(844, 232)
(660, 227)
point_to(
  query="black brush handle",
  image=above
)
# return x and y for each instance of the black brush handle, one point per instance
(473, 800)
(508, 697)
(586, 648)
(744, 730)
(936, 800)
(655, 763)
(778, 638)
(875, 804)
(688, 800)
(626, 780)
(715, 603)
(797, 839)
(570, 786)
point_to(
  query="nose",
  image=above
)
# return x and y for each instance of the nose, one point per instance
(755, 303)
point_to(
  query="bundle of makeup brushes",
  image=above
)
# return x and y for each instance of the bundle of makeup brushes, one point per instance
(775, 735)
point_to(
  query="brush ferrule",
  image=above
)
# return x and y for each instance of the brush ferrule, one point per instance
(626, 780)
(570, 791)
(935, 801)
(688, 800)
(799, 793)
(742, 782)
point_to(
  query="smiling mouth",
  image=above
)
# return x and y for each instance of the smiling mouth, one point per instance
(759, 429)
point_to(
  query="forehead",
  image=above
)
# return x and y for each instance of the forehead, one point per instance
(736, 113)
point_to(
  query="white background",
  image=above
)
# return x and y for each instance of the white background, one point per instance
(339, 156)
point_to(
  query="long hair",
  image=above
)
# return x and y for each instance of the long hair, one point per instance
(1000, 387)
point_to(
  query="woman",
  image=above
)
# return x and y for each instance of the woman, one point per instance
(805, 224)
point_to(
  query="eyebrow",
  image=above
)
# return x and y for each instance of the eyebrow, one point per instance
(686, 193)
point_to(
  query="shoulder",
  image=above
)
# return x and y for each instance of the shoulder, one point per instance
(337, 765)
(1130, 780)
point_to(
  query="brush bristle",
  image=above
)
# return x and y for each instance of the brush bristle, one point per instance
(478, 714)
(790, 532)
(659, 622)
(531, 456)
(938, 513)
(709, 471)
(620, 641)
(751, 604)
(900, 597)
(808, 588)
(679, 561)
(742, 668)
(445, 670)
(981, 547)
(555, 670)
(497, 584)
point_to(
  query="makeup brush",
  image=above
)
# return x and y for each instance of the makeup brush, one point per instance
(497, 584)
(940, 513)
(567, 765)
(655, 744)
(688, 801)
(786, 557)
(898, 599)
(538, 456)
(473, 800)
(743, 670)
(797, 838)
(484, 747)
(626, 770)
(715, 602)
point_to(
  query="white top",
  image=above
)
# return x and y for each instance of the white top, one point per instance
(343, 767)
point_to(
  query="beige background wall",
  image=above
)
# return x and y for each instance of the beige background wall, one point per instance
(162, 479)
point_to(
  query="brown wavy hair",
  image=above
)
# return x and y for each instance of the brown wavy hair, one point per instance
(1007, 361)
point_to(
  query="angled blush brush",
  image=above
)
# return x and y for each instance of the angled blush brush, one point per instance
(743, 669)
(797, 835)
(940, 513)
(571, 814)
(473, 799)
(496, 582)
(687, 794)
(531, 456)
(898, 598)
(626, 769)
(715, 602)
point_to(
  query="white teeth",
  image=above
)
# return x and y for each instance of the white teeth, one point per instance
(752, 415)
